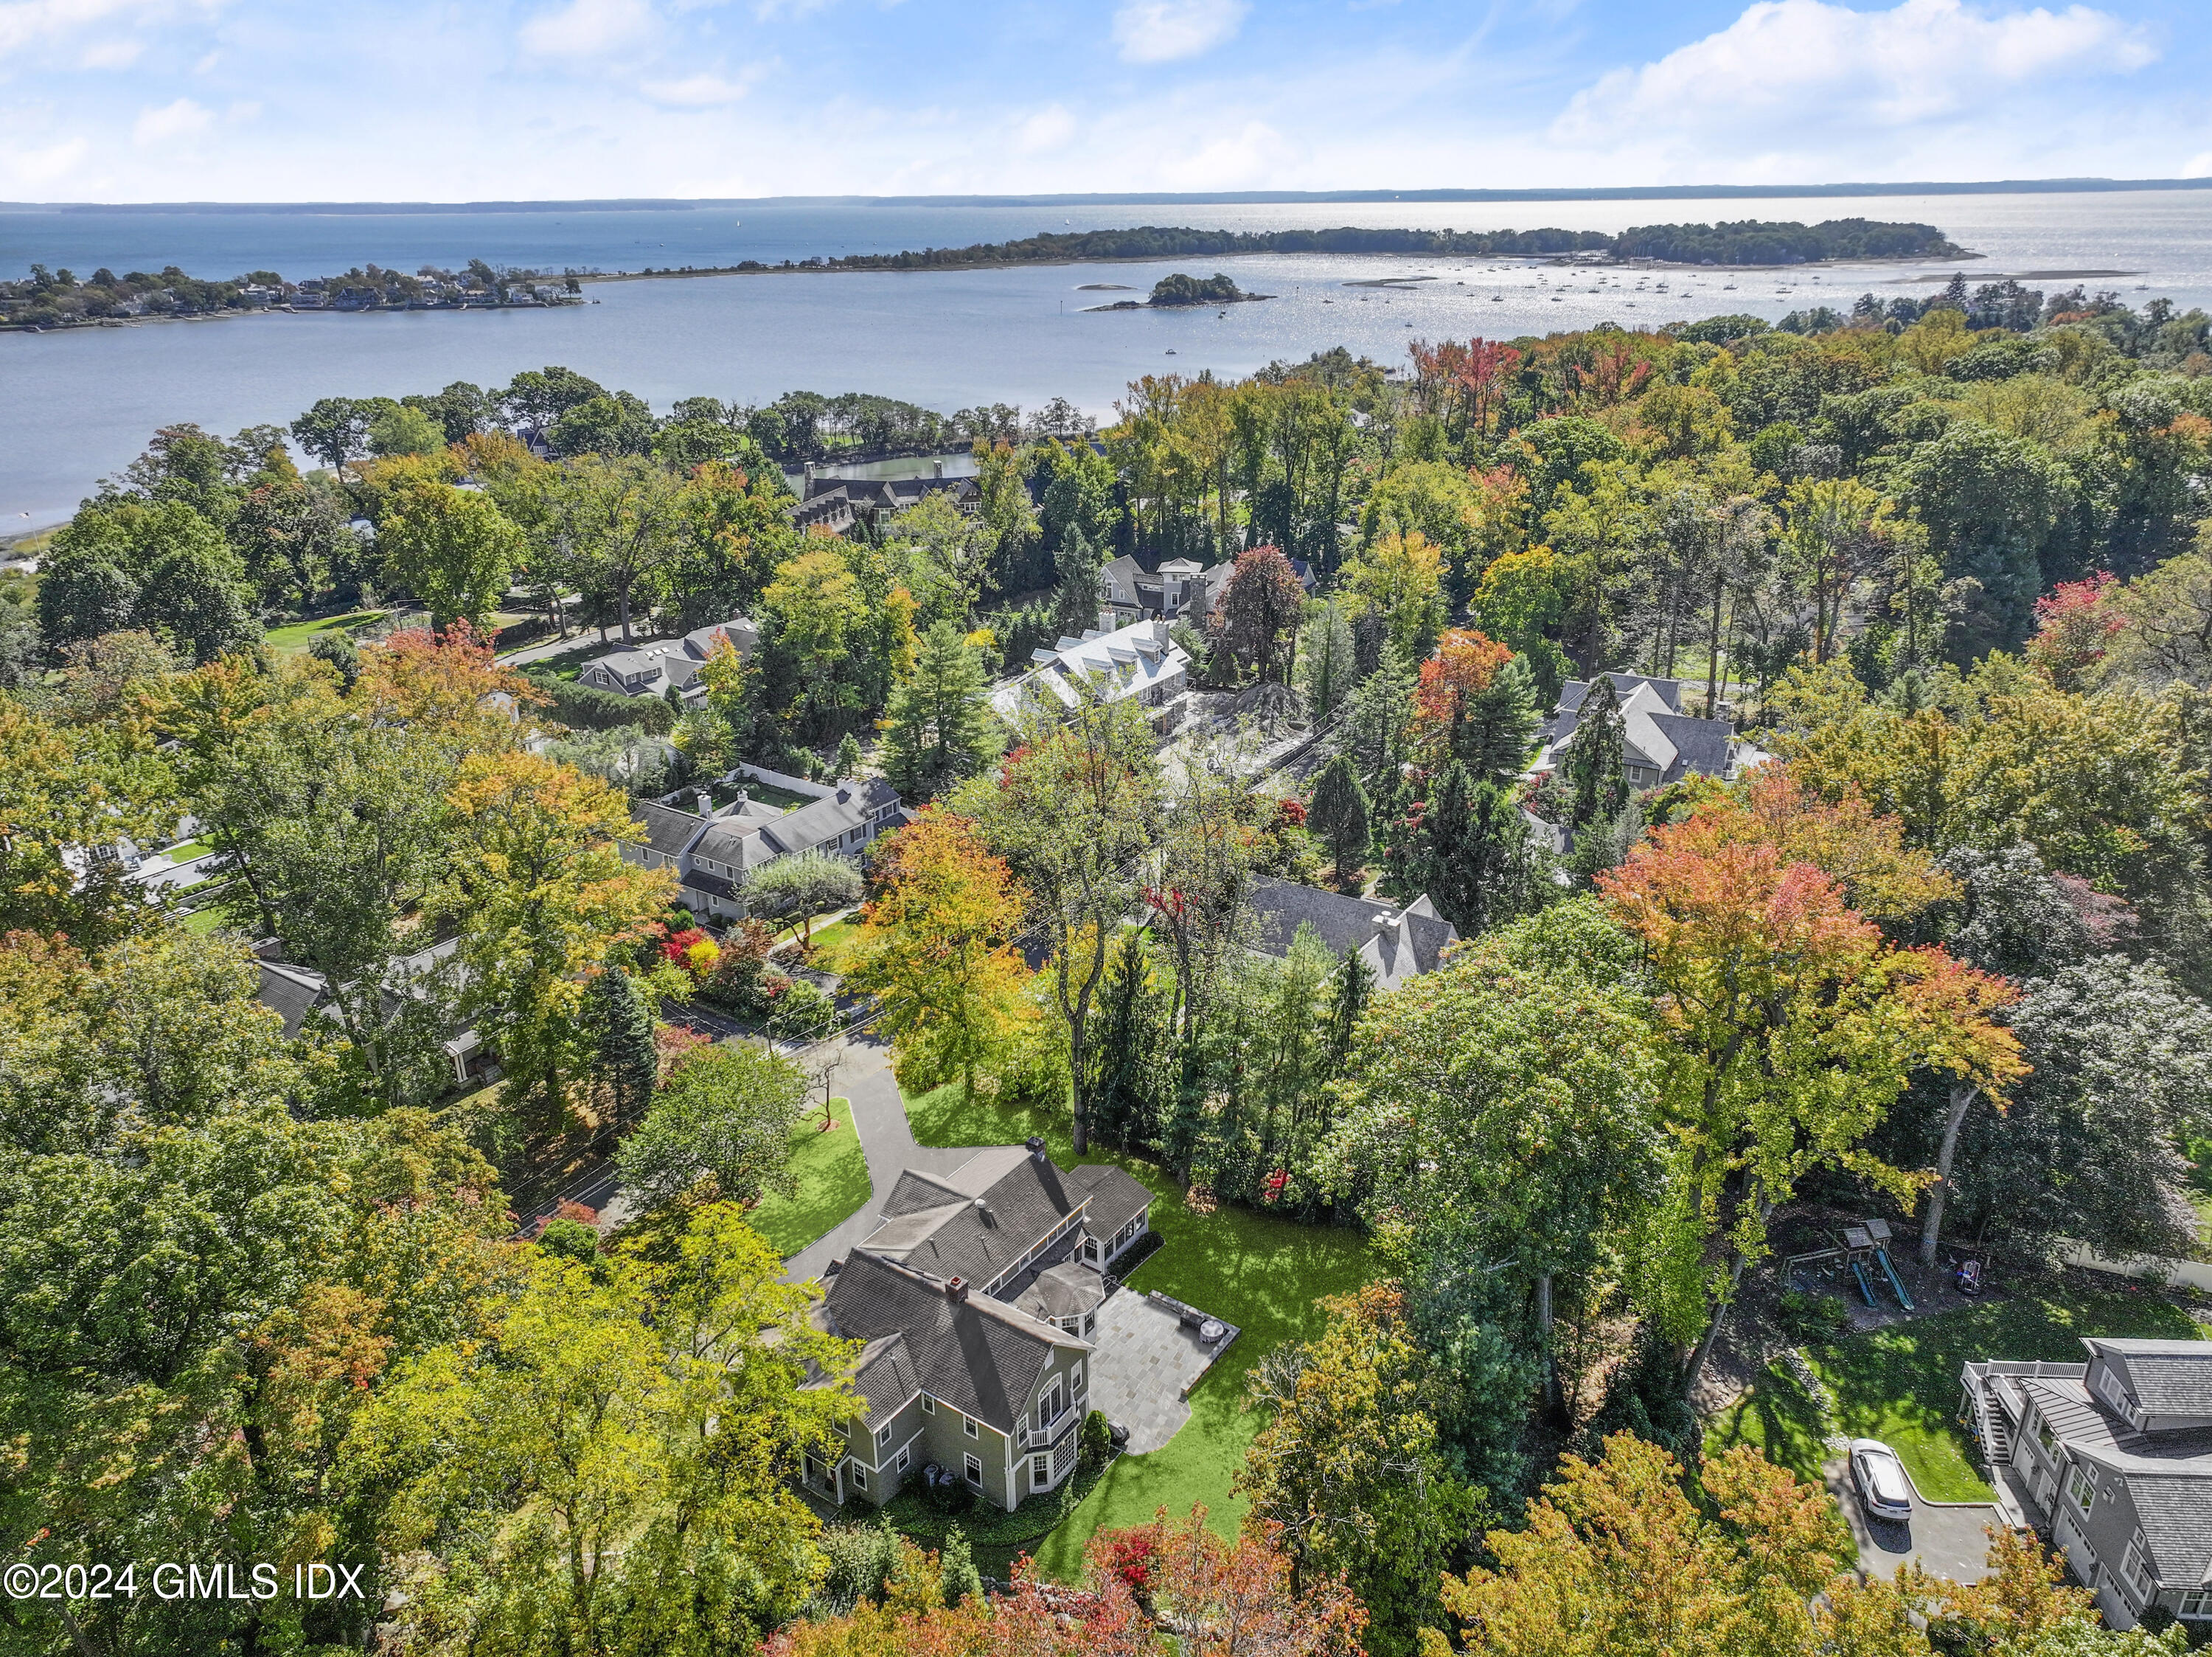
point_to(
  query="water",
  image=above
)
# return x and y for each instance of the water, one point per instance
(78, 406)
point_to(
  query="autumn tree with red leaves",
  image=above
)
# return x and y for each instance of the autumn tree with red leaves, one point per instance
(1256, 620)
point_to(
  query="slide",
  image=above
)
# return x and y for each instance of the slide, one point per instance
(1865, 1288)
(1896, 1283)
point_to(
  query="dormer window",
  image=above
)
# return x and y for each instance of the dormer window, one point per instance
(2110, 1389)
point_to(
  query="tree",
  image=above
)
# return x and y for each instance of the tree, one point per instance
(1329, 671)
(1219, 1598)
(67, 795)
(720, 1130)
(796, 889)
(933, 949)
(166, 569)
(541, 892)
(1595, 771)
(1400, 579)
(1476, 704)
(1616, 1558)
(334, 430)
(1791, 1028)
(610, 1472)
(1075, 601)
(939, 728)
(1474, 859)
(1072, 811)
(452, 549)
(1256, 619)
(819, 613)
(399, 430)
(1348, 1477)
(625, 1067)
(622, 516)
(1340, 815)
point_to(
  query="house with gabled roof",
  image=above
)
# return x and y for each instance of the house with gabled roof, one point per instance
(1398, 942)
(976, 1298)
(2113, 1458)
(715, 852)
(671, 664)
(1138, 662)
(1661, 743)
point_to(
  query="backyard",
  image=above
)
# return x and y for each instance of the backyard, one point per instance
(1262, 1274)
(1900, 1384)
(299, 635)
(832, 1172)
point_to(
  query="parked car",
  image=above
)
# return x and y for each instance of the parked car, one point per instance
(1884, 1490)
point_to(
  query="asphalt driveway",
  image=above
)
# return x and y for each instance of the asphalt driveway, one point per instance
(1945, 1538)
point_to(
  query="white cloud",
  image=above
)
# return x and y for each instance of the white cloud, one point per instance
(1160, 30)
(584, 28)
(120, 53)
(22, 23)
(1048, 129)
(1244, 159)
(172, 122)
(1787, 67)
(703, 91)
(42, 166)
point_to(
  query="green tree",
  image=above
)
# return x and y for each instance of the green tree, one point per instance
(792, 891)
(1474, 861)
(399, 430)
(940, 726)
(1340, 815)
(1074, 813)
(1075, 600)
(610, 1473)
(67, 795)
(453, 549)
(333, 431)
(1595, 771)
(720, 1128)
(625, 1066)
(1327, 674)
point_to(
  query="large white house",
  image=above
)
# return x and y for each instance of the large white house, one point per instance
(1137, 661)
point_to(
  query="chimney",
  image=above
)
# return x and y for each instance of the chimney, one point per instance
(956, 1290)
(706, 801)
(1035, 1147)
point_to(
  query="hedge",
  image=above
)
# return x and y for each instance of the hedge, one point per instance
(591, 709)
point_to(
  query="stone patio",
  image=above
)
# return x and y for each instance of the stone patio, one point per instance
(1147, 1362)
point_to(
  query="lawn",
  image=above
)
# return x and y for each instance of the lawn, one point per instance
(833, 946)
(1262, 1274)
(833, 1183)
(299, 635)
(1901, 1384)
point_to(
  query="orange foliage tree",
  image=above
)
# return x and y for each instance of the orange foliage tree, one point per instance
(1792, 1026)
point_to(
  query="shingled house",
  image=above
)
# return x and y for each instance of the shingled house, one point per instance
(714, 855)
(976, 1298)
(2114, 1457)
(1397, 943)
(1661, 743)
(671, 664)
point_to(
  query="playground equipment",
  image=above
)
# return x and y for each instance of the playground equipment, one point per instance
(1866, 1245)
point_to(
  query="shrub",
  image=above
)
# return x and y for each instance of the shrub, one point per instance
(1810, 1317)
(1095, 1442)
(571, 1239)
(590, 709)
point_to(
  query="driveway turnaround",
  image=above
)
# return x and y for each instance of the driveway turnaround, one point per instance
(1945, 1538)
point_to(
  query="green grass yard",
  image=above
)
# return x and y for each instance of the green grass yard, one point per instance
(1900, 1384)
(299, 635)
(833, 1183)
(833, 946)
(1262, 1274)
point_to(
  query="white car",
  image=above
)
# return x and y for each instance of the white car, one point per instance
(1884, 1490)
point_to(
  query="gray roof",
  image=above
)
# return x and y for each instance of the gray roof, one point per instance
(2167, 1475)
(667, 831)
(700, 880)
(977, 1222)
(1398, 944)
(1066, 1290)
(980, 1356)
(289, 991)
(885, 1376)
(1656, 732)
(1115, 1198)
(2166, 1378)
(1701, 745)
(813, 824)
(742, 634)
(2175, 1511)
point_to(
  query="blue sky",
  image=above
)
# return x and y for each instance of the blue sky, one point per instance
(457, 99)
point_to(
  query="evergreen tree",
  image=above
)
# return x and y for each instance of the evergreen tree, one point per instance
(624, 1066)
(1354, 989)
(1339, 815)
(1328, 670)
(1075, 604)
(940, 729)
(1476, 855)
(1494, 728)
(849, 755)
(1130, 1051)
(1596, 778)
(957, 1579)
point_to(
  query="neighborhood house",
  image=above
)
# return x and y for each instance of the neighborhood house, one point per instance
(1137, 661)
(1397, 944)
(671, 665)
(713, 852)
(2114, 1457)
(977, 1299)
(1661, 743)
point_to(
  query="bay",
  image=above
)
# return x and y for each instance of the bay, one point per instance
(78, 406)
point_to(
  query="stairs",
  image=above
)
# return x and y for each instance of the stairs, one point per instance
(1996, 1431)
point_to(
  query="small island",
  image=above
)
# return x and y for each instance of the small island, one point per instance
(1180, 291)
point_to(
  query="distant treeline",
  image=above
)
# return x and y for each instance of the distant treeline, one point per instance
(1750, 242)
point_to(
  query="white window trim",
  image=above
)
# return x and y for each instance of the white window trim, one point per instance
(968, 1426)
(928, 1405)
(859, 1477)
(2079, 1483)
(972, 1468)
